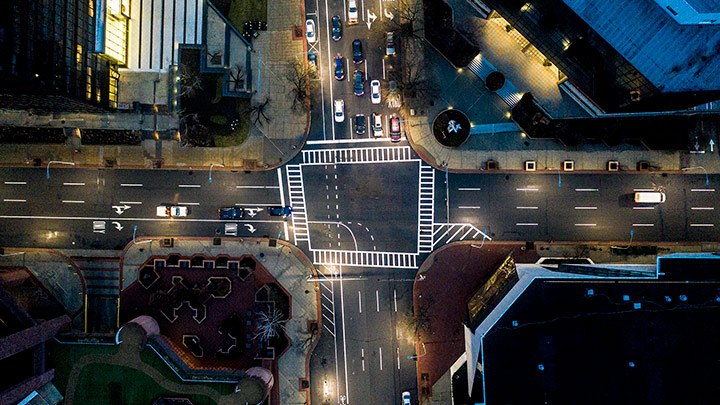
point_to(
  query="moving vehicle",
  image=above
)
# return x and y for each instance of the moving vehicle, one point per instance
(358, 56)
(230, 212)
(390, 43)
(352, 12)
(359, 87)
(375, 91)
(310, 33)
(360, 124)
(649, 197)
(406, 398)
(339, 110)
(376, 123)
(395, 128)
(336, 28)
(172, 211)
(279, 211)
(339, 68)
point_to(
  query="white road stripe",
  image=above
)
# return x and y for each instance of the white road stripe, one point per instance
(702, 208)
(527, 224)
(469, 189)
(73, 184)
(261, 187)
(73, 202)
(131, 202)
(585, 224)
(700, 190)
(643, 208)
(468, 207)
(377, 300)
(13, 200)
(527, 208)
(189, 185)
(15, 183)
(643, 224)
(380, 357)
(585, 208)
(527, 189)
(188, 203)
(158, 219)
(131, 184)
(359, 302)
(644, 189)
(586, 189)
(702, 225)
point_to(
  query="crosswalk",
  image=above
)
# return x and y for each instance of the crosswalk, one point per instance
(297, 202)
(446, 233)
(358, 155)
(365, 259)
(426, 201)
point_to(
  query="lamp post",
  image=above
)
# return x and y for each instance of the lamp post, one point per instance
(417, 356)
(211, 168)
(707, 179)
(47, 173)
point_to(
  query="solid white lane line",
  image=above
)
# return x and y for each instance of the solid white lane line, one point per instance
(131, 202)
(526, 224)
(644, 189)
(397, 350)
(643, 208)
(380, 358)
(362, 357)
(377, 299)
(702, 208)
(702, 225)
(189, 185)
(359, 302)
(73, 184)
(188, 203)
(153, 219)
(643, 224)
(527, 208)
(585, 208)
(586, 189)
(395, 299)
(16, 183)
(527, 189)
(468, 207)
(701, 190)
(131, 185)
(469, 189)
(13, 200)
(585, 224)
(73, 202)
(260, 187)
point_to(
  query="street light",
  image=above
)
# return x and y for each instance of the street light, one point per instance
(707, 179)
(47, 174)
(211, 167)
(417, 356)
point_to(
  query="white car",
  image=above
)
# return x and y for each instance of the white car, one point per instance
(339, 110)
(376, 124)
(375, 91)
(172, 211)
(406, 398)
(352, 12)
(310, 30)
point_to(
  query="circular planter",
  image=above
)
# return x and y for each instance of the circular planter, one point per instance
(495, 81)
(451, 128)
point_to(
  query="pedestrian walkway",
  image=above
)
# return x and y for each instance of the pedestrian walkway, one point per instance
(365, 259)
(357, 155)
(296, 191)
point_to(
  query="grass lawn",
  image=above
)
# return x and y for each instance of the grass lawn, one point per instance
(246, 10)
(62, 357)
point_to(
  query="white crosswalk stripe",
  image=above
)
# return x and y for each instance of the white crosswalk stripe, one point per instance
(365, 259)
(426, 209)
(297, 201)
(358, 155)
(446, 233)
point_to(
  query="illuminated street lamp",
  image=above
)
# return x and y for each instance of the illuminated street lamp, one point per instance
(211, 167)
(47, 174)
(417, 356)
(707, 179)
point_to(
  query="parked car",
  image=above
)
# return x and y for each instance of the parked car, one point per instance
(339, 110)
(395, 128)
(406, 398)
(230, 213)
(312, 58)
(360, 124)
(336, 28)
(279, 211)
(359, 87)
(339, 68)
(358, 56)
(375, 91)
(172, 211)
(352, 12)
(376, 123)
(310, 30)
(390, 43)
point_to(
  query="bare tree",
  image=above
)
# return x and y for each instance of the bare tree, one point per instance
(237, 77)
(258, 112)
(302, 77)
(414, 82)
(269, 324)
(190, 81)
(408, 22)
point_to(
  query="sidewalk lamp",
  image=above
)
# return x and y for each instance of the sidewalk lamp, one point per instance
(47, 173)
(707, 179)
(417, 356)
(211, 168)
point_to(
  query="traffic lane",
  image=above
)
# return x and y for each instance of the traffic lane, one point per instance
(336, 235)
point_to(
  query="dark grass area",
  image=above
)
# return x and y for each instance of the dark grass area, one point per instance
(599, 349)
(31, 135)
(440, 33)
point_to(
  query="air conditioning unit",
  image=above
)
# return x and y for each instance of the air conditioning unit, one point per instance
(530, 165)
(568, 165)
(613, 165)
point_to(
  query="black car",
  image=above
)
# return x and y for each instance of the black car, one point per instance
(359, 88)
(339, 68)
(279, 211)
(357, 52)
(336, 28)
(312, 58)
(230, 212)
(360, 124)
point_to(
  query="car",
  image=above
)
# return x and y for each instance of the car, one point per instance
(339, 68)
(339, 110)
(395, 128)
(279, 211)
(390, 43)
(172, 211)
(360, 124)
(359, 87)
(336, 28)
(352, 12)
(652, 197)
(310, 33)
(406, 398)
(375, 91)
(376, 123)
(312, 58)
(357, 52)
(230, 212)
